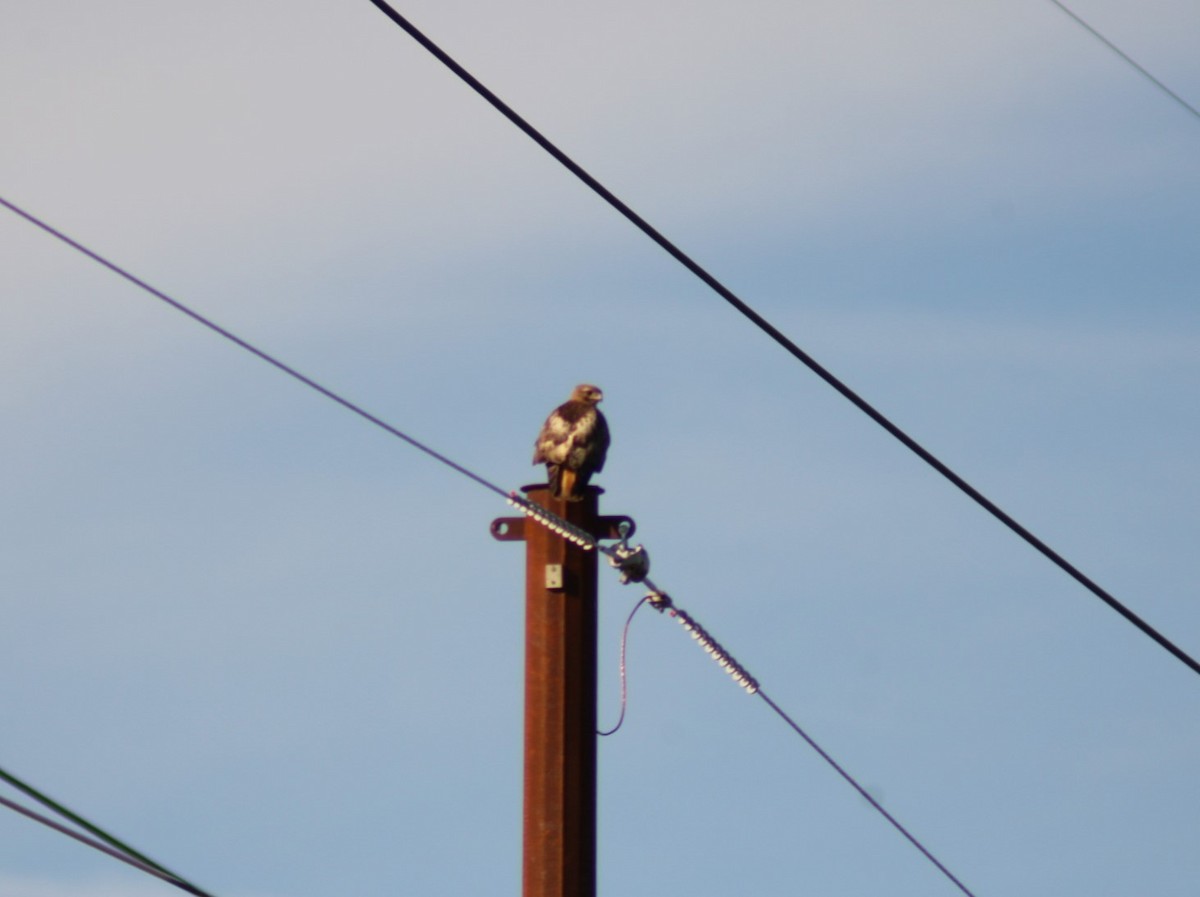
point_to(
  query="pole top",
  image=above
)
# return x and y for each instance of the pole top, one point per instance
(512, 529)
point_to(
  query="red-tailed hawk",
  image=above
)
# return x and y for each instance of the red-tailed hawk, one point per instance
(573, 443)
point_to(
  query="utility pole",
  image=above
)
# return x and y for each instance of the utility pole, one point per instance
(560, 694)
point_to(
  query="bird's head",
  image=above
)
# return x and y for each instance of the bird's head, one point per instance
(585, 392)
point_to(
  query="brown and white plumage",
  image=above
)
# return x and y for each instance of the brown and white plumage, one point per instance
(573, 443)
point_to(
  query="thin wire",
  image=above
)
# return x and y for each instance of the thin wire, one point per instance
(624, 688)
(865, 794)
(662, 602)
(1125, 56)
(51, 804)
(237, 340)
(148, 868)
(775, 334)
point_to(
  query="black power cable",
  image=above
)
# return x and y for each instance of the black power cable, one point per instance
(775, 334)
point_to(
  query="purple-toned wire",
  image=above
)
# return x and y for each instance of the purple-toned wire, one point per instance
(624, 684)
(103, 848)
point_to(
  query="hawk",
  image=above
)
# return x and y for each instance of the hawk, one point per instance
(573, 443)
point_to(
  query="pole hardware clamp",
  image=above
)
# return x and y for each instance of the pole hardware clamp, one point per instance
(633, 563)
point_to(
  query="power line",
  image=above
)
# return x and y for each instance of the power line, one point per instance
(662, 602)
(238, 341)
(787, 344)
(865, 794)
(103, 841)
(103, 848)
(620, 556)
(562, 527)
(1129, 59)
(634, 566)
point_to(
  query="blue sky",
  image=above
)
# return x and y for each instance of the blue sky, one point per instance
(277, 650)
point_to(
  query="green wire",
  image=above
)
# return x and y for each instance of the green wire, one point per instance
(104, 836)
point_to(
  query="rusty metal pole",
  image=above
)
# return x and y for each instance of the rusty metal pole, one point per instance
(560, 705)
(560, 696)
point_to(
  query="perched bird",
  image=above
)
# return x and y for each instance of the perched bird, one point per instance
(573, 443)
